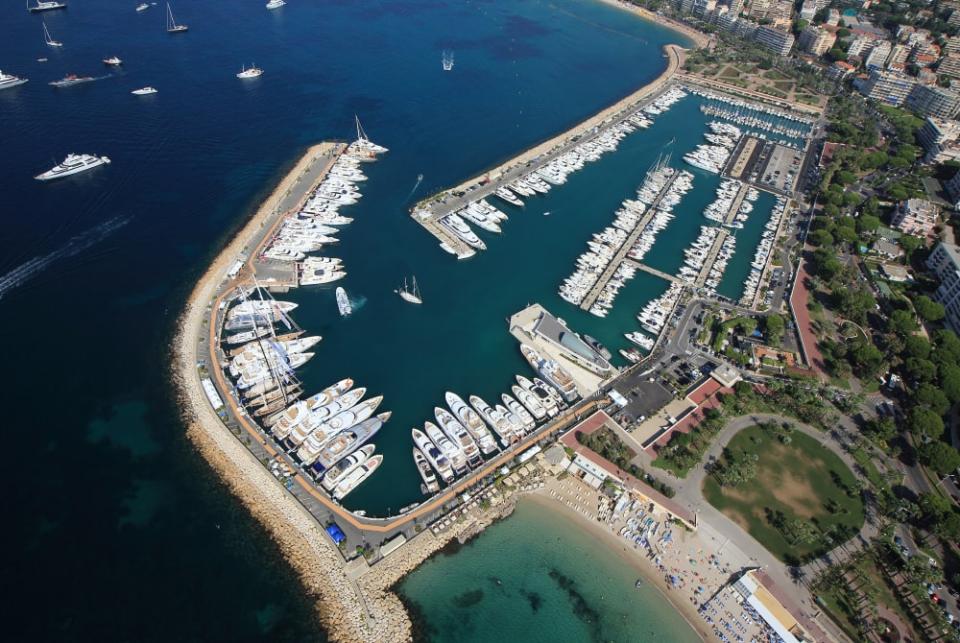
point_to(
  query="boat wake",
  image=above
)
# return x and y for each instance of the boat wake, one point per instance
(415, 186)
(357, 302)
(74, 246)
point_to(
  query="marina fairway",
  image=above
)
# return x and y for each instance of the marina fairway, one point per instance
(519, 581)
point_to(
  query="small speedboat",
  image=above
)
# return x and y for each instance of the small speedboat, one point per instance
(144, 91)
(275, 4)
(112, 61)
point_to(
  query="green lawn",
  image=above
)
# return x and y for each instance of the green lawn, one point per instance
(803, 480)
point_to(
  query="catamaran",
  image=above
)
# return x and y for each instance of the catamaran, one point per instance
(410, 295)
(46, 6)
(9, 80)
(253, 72)
(73, 164)
(47, 38)
(172, 26)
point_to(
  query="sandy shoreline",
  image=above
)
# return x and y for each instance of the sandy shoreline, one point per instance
(619, 547)
(699, 38)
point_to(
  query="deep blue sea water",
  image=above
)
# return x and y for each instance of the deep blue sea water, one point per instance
(115, 529)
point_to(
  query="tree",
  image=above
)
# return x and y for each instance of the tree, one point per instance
(867, 358)
(916, 346)
(924, 423)
(950, 381)
(920, 370)
(909, 243)
(868, 223)
(940, 457)
(881, 429)
(773, 329)
(928, 309)
(901, 322)
(821, 238)
(931, 397)
(947, 346)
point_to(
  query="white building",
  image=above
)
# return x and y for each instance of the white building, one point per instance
(944, 262)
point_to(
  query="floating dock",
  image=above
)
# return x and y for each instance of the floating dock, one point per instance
(618, 258)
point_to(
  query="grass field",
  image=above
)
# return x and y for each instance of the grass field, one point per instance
(803, 480)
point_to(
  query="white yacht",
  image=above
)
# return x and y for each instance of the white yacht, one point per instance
(8, 80)
(112, 61)
(143, 6)
(172, 26)
(430, 484)
(46, 5)
(47, 38)
(252, 72)
(343, 302)
(353, 479)
(411, 295)
(144, 91)
(73, 164)
(275, 4)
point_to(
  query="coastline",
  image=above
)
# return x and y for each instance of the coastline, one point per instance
(617, 547)
(699, 39)
(349, 606)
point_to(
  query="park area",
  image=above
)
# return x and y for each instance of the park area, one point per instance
(792, 494)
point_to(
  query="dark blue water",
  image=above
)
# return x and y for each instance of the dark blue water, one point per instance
(115, 529)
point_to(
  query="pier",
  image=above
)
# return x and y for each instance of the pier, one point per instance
(631, 239)
(653, 271)
(711, 257)
(429, 211)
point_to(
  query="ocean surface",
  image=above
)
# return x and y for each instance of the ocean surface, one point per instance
(537, 576)
(115, 527)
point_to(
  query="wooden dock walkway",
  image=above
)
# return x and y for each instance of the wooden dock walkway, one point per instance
(654, 271)
(621, 254)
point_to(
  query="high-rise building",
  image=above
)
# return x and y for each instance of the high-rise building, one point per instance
(878, 55)
(930, 100)
(939, 140)
(949, 66)
(886, 86)
(779, 41)
(816, 41)
(944, 262)
(917, 217)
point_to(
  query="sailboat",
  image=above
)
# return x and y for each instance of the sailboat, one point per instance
(411, 295)
(47, 5)
(172, 26)
(447, 60)
(48, 39)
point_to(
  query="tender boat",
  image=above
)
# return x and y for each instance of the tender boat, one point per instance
(343, 302)
(70, 80)
(73, 164)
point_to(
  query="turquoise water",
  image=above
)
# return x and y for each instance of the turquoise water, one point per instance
(535, 577)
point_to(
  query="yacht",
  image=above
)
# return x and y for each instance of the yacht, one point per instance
(459, 436)
(253, 72)
(47, 38)
(337, 473)
(529, 400)
(343, 302)
(112, 61)
(172, 26)
(143, 6)
(144, 91)
(434, 456)
(410, 295)
(70, 80)
(497, 422)
(275, 4)
(73, 164)
(8, 80)
(472, 422)
(348, 440)
(353, 479)
(458, 461)
(430, 484)
(48, 5)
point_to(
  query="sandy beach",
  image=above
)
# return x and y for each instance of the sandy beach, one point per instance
(639, 563)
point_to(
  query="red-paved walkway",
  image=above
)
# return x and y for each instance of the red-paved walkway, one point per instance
(808, 340)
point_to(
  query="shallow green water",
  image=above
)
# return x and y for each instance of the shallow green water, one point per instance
(537, 576)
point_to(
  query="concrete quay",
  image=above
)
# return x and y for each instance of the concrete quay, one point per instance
(711, 257)
(653, 271)
(631, 239)
(429, 211)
